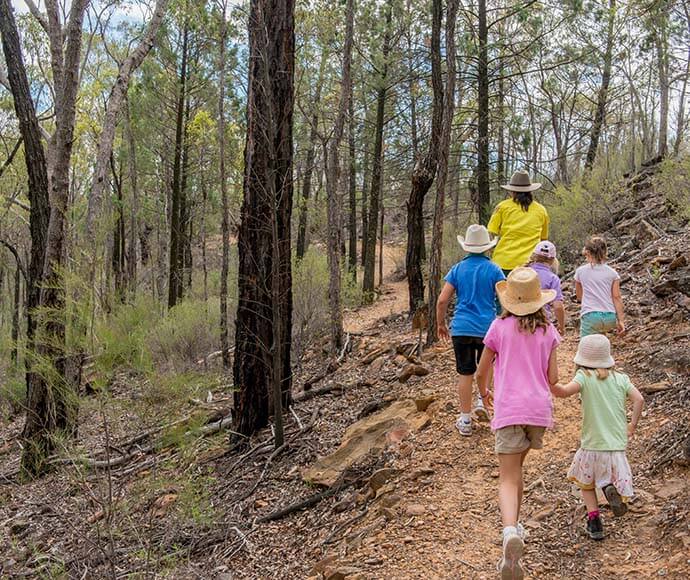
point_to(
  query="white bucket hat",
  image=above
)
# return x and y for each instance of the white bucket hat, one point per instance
(476, 240)
(594, 352)
(521, 293)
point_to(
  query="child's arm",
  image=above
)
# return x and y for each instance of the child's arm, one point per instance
(563, 391)
(553, 367)
(559, 312)
(484, 371)
(441, 309)
(638, 404)
(618, 304)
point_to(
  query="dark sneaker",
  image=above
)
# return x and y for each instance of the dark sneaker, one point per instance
(615, 500)
(595, 529)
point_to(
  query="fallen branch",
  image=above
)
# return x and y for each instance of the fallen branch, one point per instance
(373, 355)
(312, 500)
(307, 395)
(259, 479)
(345, 349)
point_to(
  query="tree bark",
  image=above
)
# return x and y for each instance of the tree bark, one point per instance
(352, 188)
(52, 404)
(661, 41)
(377, 171)
(332, 181)
(444, 154)
(424, 172)
(177, 234)
(225, 222)
(134, 209)
(600, 114)
(483, 191)
(35, 159)
(267, 200)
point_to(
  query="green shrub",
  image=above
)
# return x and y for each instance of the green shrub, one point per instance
(122, 337)
(190, 331)
(13, 392)
(673, 182)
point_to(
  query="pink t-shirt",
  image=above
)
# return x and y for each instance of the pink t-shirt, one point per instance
(521, 384)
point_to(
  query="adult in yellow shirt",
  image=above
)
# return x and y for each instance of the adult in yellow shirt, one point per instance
(520, 222)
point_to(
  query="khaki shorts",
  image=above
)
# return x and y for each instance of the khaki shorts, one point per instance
(519, 438)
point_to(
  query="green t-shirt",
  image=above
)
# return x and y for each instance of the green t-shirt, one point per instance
(604, 422)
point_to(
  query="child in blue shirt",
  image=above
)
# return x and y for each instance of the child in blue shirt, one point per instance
(474, 280)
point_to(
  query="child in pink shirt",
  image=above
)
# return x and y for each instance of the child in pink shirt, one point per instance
(522, 346)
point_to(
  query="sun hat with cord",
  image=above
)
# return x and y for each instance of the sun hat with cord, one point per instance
(477, 240)
(594, 352)
(520, 181)
(521, 293)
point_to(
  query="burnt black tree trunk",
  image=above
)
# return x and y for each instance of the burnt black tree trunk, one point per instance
(177, 232)
(267, 201)
(424, 172)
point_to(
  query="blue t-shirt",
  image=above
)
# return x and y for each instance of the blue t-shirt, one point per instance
(474, 279)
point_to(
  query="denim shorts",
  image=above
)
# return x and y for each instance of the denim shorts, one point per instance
(597, 323)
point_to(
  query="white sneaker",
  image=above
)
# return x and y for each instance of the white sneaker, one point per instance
(522, 532)
(464, 426)
(480, 412)
(513, 548)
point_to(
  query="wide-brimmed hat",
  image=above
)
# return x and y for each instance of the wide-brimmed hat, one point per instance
(594, 352)
(521, 293)
(477, 240)
(520, 181)
(545, 248)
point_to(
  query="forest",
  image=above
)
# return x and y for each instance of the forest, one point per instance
(198, 197)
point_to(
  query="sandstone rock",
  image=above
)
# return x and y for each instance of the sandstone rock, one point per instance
(421, 472)
(424, 400)
(376, 366)
(678, 262)
(390, 500)
(411, 371)
(323, 564)
(381, 476)
(415, 510)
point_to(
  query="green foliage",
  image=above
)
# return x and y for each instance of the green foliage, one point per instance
(577, 213)
(13, 391)
(122, 337)
(673, 182)
(188, 332)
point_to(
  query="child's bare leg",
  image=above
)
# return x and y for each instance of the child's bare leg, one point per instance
(521, 486)
(590, 497)
(510, 486)
(465, 392)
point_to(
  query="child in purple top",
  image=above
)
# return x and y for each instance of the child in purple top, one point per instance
(544, 262)
(521, 344)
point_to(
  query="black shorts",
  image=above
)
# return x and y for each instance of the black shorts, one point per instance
(468, 351)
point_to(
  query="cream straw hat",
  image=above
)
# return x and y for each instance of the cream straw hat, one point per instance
(476, 240)
(521, 293)
(594, 352)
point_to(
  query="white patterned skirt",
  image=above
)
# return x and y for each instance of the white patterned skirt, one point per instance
(597, 469)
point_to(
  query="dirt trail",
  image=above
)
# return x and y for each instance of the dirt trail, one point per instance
(441, 517)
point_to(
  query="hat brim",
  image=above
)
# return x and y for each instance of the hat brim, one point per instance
(592, 364)
(476, 249)
(520, 188)
(522, 308)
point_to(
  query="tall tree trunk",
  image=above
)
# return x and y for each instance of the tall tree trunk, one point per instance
(134, 209)
(352, 188)
(661, 36)
(483, 191)
(52, 404)
(444, 154)
(118, 256)
(332, 181)
(302, 241)
(365, 187)
(257, 369)
(680, 125)
(35, 159)
(600, 114)
(177, 234)
(15, 314)
(381, 244)
(424, 171)
(118, 94)
(225, 222)
(377, 171)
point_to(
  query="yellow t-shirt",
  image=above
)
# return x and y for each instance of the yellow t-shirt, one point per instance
(519, 232)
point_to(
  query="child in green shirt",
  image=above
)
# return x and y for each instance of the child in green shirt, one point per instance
(601, 461)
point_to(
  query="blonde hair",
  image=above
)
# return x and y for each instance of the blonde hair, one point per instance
(530, 322)
(596, 248)
(602, 374)
(537, 258)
